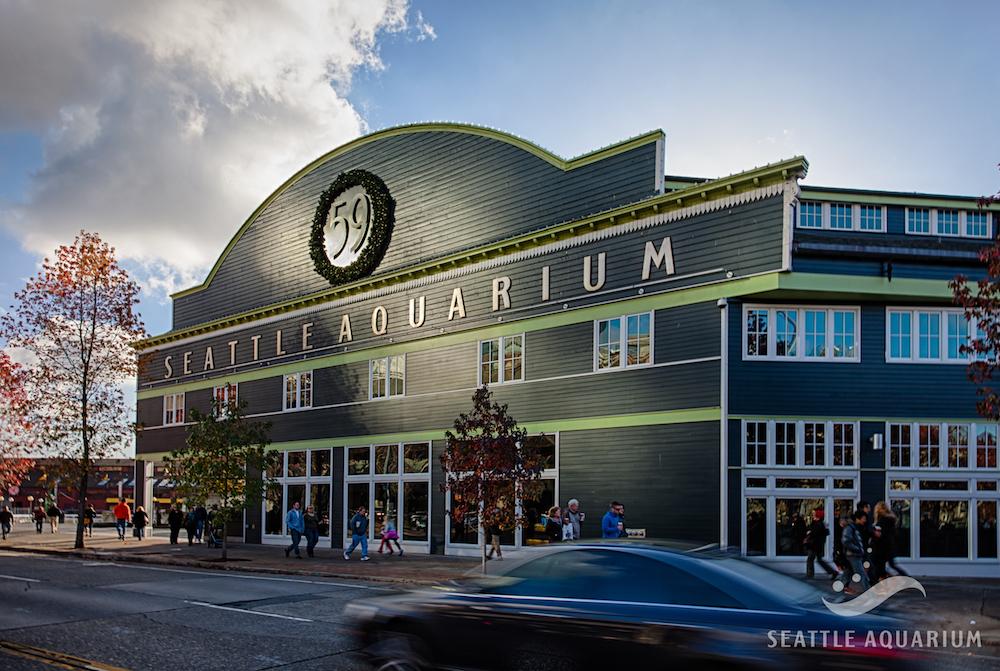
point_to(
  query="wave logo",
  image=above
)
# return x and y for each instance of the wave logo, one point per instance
(873, 596)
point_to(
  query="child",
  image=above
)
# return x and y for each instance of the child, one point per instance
(390, 536)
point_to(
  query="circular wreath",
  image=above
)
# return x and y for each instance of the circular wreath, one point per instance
(383, 207)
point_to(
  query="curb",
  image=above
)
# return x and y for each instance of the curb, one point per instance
(218, 566)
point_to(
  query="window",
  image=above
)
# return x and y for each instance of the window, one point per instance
(225, 395)
(977, 224)
(929, 445)
(899, 446)
(953, 445)
(298, 391)
(843, 444)
(775, 333)
(388, 376)
(635, 339)
(814, 436)
(303, 476)
(841, 217)
(810, 215)
(947, 222)
(939, 336)
(784, 444)
(755, 437)
(173, 409)
(958, 446)
(872, 218)
(918, 221)
(986, 446)
(393, 482)
(944, 528)
(501, 360)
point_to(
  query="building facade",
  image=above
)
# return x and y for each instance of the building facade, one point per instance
(721, 355)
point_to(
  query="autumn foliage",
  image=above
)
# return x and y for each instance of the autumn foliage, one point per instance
(15, 427)
(76, 322)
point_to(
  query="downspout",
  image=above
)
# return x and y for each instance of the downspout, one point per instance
(723, 305)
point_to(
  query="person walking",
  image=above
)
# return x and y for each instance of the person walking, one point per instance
(311, 522)
(359, 533)
(139, 521)
(575, 517)
(175, 520)
(553, 525)
(815, 543)
(494, 534)
(390, 536)
(613, 523)
(53, 513)
(89, 517)
(123, 515)
(6, 522)
(191, 525)
(885, 520)
(39, 517)
(854, 552)
(296, 524)
(201, 518)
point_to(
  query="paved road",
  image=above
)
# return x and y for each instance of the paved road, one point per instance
(141, 617)
(125, 616)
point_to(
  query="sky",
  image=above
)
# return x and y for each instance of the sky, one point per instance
(162, 126)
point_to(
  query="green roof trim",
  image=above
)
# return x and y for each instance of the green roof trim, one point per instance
(867, 197)
(492, 133)
(674, 200)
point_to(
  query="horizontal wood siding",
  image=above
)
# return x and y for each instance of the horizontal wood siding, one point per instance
(566, 350)
(687, 332)
(442, 369)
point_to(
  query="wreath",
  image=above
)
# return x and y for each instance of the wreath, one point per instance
(383, 210)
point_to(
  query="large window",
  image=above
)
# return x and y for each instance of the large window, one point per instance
(927, 335)
(841, 217)
(963, 445)
(953, 516)
(387, 376)
(784, 333)
(872, 218)
(977, 224)
(304, 476)
(392, 481)
(918, 220)
(948, 222)
(800, 443)
(224, 395)
(298, 391)
(810, 215)
(501, 360)
(623, 342)
(173, 409)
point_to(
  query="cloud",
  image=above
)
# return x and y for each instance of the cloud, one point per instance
(166, 124)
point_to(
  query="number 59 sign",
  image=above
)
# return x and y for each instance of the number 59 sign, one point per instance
(351, 226)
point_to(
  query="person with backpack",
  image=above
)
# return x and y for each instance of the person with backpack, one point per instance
(815, 544)
(296, 524)
(139, 521)
(855, 551)
(359, 533)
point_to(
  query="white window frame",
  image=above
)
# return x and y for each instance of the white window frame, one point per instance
(171, 412)
(826, 218)
(800, 447)
(883, 217)
(501, 341)
(623, 342)
(942, 447)
(930, 221)
(964, 224)
(388, 376)
(942, 358)
(284, 480)
(800, 349)
(229, 389)
(798, 218)
(299, 405)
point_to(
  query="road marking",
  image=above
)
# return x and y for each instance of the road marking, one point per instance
(52, 658)
(250, 612)
(14, 577)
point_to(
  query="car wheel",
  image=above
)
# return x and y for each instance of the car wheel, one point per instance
(397, 650)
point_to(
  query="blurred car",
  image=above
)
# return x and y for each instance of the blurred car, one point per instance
(606, 606)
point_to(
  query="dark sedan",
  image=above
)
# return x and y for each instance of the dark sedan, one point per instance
(605, 606)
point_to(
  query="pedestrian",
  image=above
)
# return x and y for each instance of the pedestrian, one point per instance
(359, 533)
(201, 518)
(89, 517)
(123, 515)
(553, 525)
(39, 516)
(53, 513)
(815, 543)
(6, 522)
(575, 517)
(311, 522)
(613, 523)
(494, 534)
(191, 525)
(839, 560)
(886, 521)
(854, 552)
(139, 521)
(296, 525)
(390, 536)
(866, 531)
(175, 520)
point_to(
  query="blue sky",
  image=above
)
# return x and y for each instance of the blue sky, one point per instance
(900, 96)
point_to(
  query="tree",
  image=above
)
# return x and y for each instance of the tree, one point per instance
(489, 465)
(15, 428)
(226, 457)
(76, 320)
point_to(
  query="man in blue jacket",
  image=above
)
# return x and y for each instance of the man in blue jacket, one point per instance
(296, 527)
(359, 534)
(612, 525)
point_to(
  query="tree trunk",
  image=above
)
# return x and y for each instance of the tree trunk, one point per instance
(82, 501)
(224, 546)
(84, 464)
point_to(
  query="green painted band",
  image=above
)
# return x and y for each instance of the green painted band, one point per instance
(876, 420)
(963, 202)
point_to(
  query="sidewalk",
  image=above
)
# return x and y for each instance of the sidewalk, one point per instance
(412, 568)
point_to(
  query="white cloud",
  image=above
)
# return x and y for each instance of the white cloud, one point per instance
(166, 124)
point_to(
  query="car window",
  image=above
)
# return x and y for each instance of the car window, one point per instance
(611, 575)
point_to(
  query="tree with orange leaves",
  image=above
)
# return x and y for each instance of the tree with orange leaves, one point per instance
(76, 321)
(15, 429)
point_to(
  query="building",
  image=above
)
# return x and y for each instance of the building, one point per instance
(722, 355)
(49, 482)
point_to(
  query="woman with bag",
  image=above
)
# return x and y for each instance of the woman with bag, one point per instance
(139, 521)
